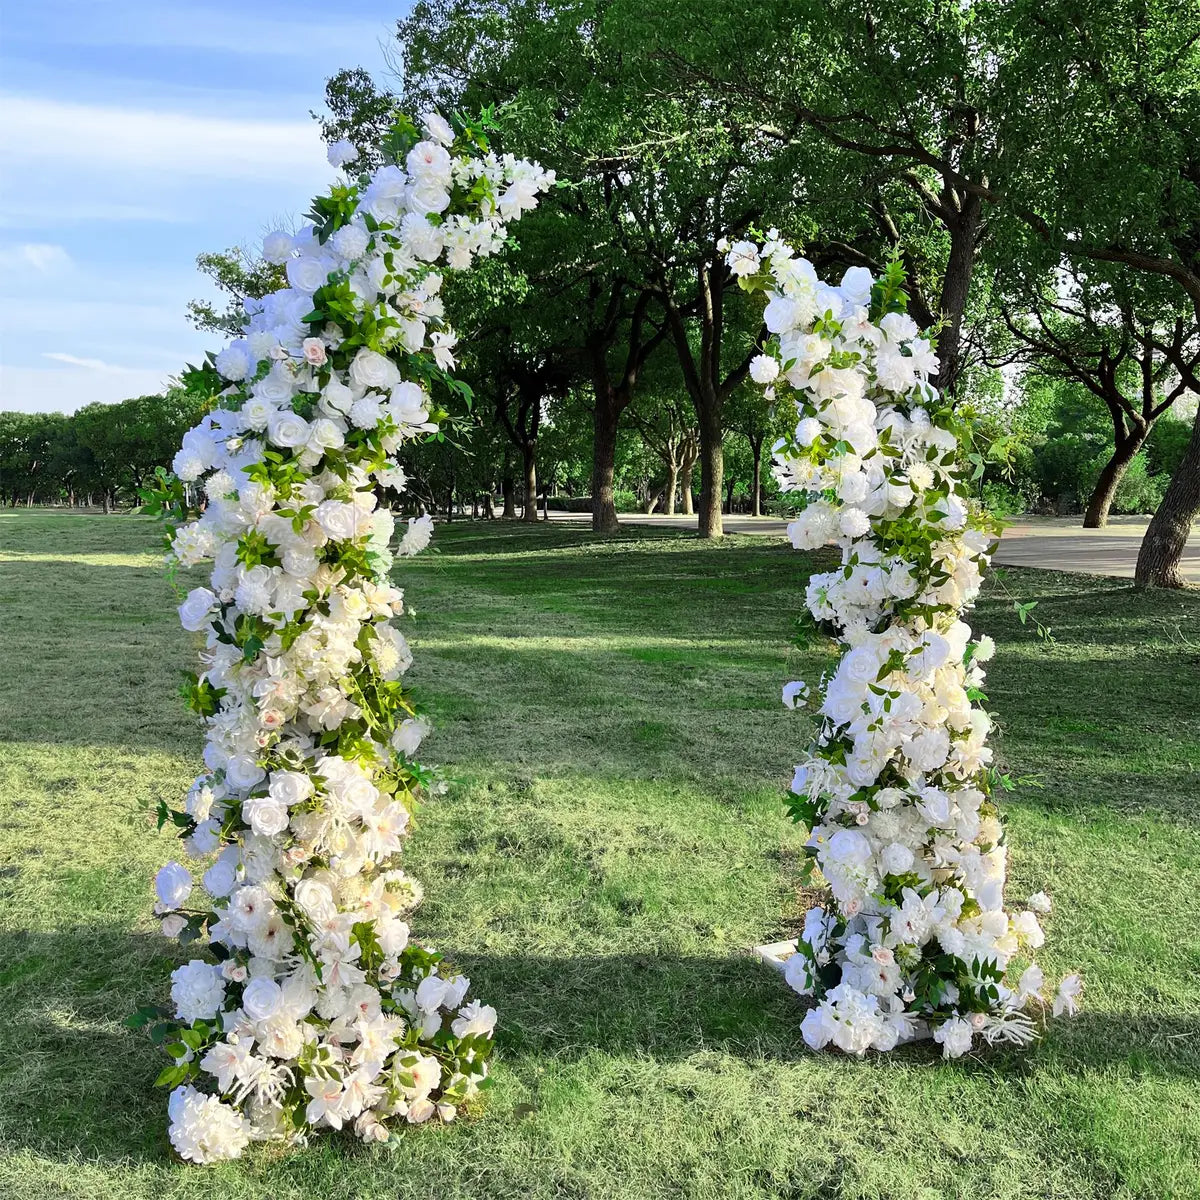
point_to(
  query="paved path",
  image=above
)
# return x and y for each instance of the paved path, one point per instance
(1052, 543)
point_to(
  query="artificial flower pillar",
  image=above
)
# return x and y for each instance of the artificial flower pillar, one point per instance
(897, 787)
(315, 1008)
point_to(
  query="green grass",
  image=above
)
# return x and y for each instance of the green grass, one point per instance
(613, 844)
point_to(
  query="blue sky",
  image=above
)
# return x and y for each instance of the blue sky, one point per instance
(134, 135)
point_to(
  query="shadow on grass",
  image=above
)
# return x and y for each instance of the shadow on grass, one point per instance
(74, 1083)
(671, 1007)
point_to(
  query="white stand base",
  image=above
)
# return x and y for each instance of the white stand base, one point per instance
(776, 954)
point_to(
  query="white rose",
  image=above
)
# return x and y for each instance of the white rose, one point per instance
(173, 884)
(243, 772)
(338, 519)
(266, 815)
(325, 435)
(195, 611)
(276, 387)
(856, 285)
(896, 859)
(849, 846)
(314, 351)
(306, 273)
(220, 877)
(290, 787)
(371, 370)
(336, 399)
(314, 899)
(287, 429)
(262, 999)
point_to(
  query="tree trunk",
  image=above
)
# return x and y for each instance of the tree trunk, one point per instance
(529, 452)
(107, 502)
(756, 485)
(1167, 534)
(712, 471)
(489, 509)
(730, 484)
(1100, 501)
(672, 484)
(685, 478)
(956, 286)
(508, 490)
(604, 457)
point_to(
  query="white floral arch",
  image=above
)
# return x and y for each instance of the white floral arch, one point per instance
(315, 1008)
(897, 787)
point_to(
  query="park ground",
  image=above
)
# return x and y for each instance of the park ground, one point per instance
(612, 846)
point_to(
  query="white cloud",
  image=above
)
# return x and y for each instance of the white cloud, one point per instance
(43, 257)
(68, 387)
(36, 130)
(92, 364)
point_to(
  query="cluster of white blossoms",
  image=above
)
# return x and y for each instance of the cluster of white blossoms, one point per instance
(316, 1008)
(897, 787)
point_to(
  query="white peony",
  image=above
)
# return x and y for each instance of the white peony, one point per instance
(764, 368)
(204, 1129)
(341, 153)
(277, 247)
(197, 991)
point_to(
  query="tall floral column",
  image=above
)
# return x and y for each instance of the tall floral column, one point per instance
(897, 787)
(314, 1006)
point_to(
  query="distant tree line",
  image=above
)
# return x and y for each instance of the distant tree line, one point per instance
(99, 455)
(1036, 166)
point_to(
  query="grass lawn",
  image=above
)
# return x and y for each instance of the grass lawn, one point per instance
(613, 845)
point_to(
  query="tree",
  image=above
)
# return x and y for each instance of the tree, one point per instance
(625, 253)
(1093, 337)
(664, 418)
(753, 416)
(901, 99)
(240, 274)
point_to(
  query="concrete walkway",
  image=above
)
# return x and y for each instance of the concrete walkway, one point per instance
(1051, 543)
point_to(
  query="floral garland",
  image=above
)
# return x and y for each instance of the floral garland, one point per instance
(897, 787)
(319, 1010)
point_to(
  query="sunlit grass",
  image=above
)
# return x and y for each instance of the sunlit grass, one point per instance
(612, 845)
